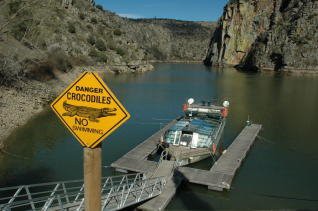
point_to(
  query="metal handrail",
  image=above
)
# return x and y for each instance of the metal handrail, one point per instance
(126, 189)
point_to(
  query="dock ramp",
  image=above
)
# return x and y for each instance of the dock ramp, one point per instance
(118, 192)
(165, 169)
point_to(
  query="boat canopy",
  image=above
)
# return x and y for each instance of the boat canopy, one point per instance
(186, 130)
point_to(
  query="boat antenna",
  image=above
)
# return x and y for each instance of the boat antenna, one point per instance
(248, 122)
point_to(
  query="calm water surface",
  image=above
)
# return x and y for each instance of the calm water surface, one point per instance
(279, 172)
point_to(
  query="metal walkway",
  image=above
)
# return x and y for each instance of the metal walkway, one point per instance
(117, 192)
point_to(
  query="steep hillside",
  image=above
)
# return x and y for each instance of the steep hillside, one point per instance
(177, 40)
(266, 34)
(38, 37)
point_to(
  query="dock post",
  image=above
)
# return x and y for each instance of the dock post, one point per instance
(92, 178)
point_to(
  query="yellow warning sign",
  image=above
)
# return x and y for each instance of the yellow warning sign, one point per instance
(90, 110)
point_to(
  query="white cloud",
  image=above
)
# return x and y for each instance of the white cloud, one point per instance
(129, 15)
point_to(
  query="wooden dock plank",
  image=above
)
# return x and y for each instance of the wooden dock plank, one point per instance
(161, 202)
(136, 159)
(223, 171)
(130, 164)
(144, 149)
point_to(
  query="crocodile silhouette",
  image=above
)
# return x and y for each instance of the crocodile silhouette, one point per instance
(87, 112)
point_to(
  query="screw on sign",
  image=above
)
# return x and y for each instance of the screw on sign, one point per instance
(90, 110)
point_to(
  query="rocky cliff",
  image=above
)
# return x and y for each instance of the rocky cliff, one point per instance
(173, 40)
(266, 34)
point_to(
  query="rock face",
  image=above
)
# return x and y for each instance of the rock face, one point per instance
(173, 40)
(266, 34)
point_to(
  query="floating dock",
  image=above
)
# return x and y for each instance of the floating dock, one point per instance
(223, 171)
(136, 159)
(218, 178)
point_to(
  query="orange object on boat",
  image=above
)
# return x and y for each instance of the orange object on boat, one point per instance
(224, 112)
(185, 107)
(213, 148)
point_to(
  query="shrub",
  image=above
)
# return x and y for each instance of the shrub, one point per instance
(71, 28)
(14, 6)
(117, 32)
(42, 44)
(90, 27)
(10, 70)
(81, 16)
(94, 20)
(157, 53)
(100, 7)
(98, 56)
(79, 60)
(91, 40)
(112, 46)
(120, 51)
(18, 30)
(59, 59)
(100, 45)
(39, 70)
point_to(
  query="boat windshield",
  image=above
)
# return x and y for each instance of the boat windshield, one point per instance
(195, 132)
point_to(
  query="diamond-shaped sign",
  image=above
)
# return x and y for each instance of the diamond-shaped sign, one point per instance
(90, 110)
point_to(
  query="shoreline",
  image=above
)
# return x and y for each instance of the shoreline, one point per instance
(176, 61)
(286, 70)
(19, 104)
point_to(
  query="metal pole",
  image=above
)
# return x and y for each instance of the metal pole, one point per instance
(92, 178)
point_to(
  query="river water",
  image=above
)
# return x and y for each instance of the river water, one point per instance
(281, 171)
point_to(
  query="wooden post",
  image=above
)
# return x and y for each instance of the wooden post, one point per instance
(92, 178)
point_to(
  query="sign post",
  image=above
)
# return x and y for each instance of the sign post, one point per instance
(92, 177)
(90, 110)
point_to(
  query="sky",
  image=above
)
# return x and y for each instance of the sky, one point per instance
(193, 10)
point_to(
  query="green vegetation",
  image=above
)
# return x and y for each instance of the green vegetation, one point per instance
(100, 45)
(112, 46)
(10, 70)
(19, 29)
(89, 26)
(71, 28)
(14, 6)
(157, 53)
(94, 20)
(98, 56)
(58, 59)
(118, 32)
(81, 16)
(120, 51)
(91, 39)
